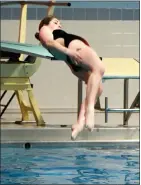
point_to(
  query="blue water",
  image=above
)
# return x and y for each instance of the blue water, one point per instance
(74, 165)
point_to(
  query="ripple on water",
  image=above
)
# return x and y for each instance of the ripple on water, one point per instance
(69, 166)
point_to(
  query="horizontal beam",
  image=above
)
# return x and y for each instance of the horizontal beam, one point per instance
(112, 77)
(122, 110)
(45, 3)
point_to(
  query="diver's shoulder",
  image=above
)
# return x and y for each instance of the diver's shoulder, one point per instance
(59, 31)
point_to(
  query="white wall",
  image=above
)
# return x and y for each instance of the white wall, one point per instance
(56, 88)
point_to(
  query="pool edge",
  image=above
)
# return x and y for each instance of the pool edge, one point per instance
(41, 135)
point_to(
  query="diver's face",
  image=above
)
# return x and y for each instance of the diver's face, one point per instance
(55, 24)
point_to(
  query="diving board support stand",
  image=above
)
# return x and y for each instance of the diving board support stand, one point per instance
(17, 72)
(134, 104)
(125, 101)
(21, 39)
(50, 10)
(126, 111)
(22, 25)
(5, 106)
(20, 84)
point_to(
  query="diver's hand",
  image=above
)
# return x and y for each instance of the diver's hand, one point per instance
(74, 55)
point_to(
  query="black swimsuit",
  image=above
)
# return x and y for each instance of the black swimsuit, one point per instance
(67, 39)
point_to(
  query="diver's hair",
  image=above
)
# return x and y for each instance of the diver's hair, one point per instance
(46, 21)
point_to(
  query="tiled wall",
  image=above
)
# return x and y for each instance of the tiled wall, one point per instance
(37, 13)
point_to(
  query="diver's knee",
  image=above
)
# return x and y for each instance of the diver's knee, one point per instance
(99, 70)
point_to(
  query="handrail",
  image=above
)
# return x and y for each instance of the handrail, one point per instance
(49, 3)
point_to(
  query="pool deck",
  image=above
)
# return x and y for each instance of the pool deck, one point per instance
(11, 132)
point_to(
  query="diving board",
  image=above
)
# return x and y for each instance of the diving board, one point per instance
(121, 68)
(28, 49)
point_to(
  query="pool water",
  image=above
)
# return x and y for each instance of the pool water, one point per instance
(69, 165)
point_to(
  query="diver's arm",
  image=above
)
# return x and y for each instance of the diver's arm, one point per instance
(46, 37)
(56, 45)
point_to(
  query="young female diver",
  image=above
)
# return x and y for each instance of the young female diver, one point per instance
(76, 48)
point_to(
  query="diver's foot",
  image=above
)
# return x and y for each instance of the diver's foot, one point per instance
(76, 129)
(90, 121)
